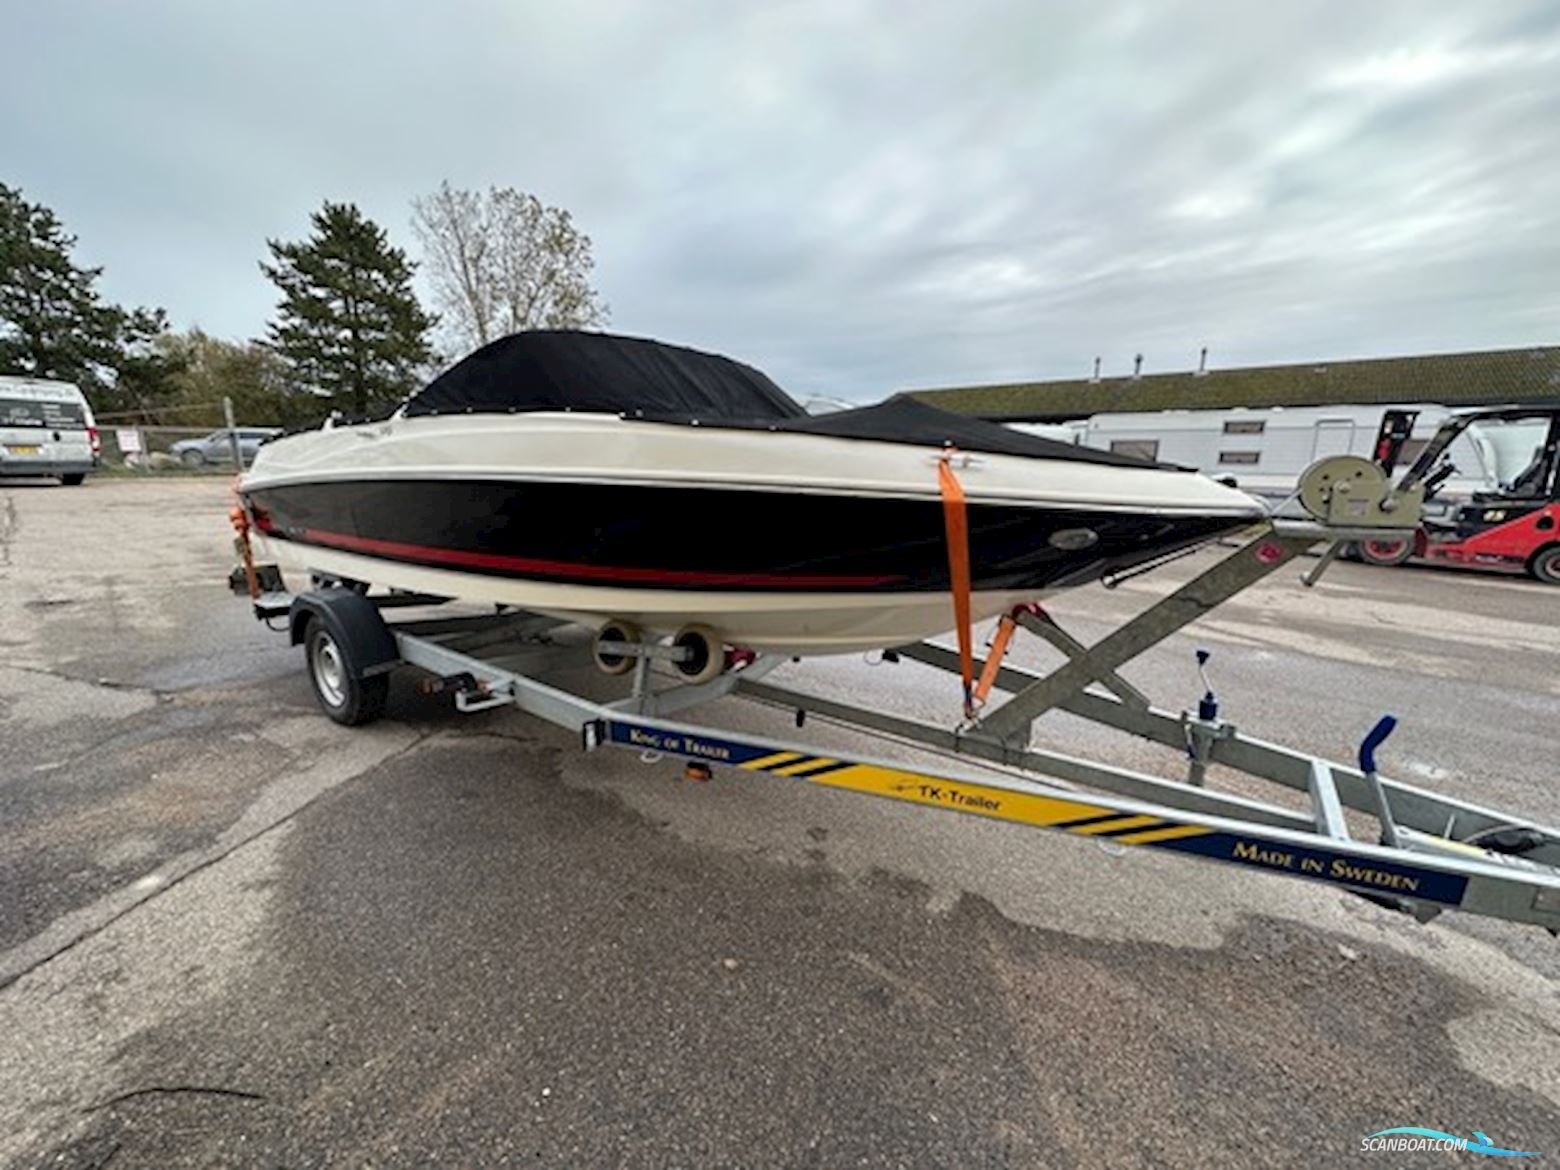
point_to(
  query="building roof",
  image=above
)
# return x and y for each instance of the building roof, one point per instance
(1452, 379)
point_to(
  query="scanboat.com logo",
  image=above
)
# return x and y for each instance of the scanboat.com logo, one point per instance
(1407, 1138)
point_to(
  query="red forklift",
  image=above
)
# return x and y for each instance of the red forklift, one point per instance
(1516, 526)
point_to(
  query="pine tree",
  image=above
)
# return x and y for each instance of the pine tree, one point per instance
(52, 324)
(348, 323)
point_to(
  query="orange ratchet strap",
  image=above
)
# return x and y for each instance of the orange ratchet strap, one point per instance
(956, 524)
(995, 653)
(239, 518)
(997, 648)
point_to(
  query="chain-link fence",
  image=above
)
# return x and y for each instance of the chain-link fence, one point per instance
(181, 450)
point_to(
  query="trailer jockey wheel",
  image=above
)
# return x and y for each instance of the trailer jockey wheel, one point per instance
(706, 658)
(1546, 565)
(1386, 550)
(612, 661)
(347, 697)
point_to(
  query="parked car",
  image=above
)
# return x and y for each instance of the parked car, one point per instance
(46, 428)
(216, 448)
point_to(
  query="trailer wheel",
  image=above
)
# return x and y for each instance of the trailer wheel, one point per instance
(1386, 551)
(347, 698)
(707, 657)
(1546, 565)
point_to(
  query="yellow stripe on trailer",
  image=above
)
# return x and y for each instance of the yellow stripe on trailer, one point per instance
(1000, 804)
(1116, 824)
(805, 764)
(764, 763)
(1168, 833)
(996, 803)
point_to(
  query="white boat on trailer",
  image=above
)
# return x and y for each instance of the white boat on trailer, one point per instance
(1428, 853)
(635, 486)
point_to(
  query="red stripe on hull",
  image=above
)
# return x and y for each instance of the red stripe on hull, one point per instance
(544, 568)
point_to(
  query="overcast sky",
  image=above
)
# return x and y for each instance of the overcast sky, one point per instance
(857, 197)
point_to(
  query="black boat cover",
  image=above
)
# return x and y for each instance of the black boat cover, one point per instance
(654, 382)
(903, 419)
(560, 369)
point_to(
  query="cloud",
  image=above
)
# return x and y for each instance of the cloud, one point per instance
(857, 196)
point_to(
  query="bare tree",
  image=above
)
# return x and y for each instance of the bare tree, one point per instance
(453, 228)
(504, 262)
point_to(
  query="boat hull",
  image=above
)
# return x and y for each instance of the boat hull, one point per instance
(851, 555)
(801, 624)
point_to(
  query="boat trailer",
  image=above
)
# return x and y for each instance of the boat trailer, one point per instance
(1392, 843)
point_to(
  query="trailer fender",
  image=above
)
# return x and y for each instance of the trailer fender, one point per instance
(353, 621)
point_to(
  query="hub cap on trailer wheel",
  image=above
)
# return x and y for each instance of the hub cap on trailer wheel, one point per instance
(330, 675)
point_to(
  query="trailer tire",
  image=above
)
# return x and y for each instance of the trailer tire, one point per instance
(73, 478)
(1545, 564)
(346, 696)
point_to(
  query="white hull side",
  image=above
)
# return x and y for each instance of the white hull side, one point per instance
(594, 448)
(803, 624)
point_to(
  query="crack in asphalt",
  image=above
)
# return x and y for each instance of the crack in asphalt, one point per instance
(9, 526)
(160, 1090)
(489, 733)
(108, 684)
(137, 735)
(201, 861)
(113, 1152)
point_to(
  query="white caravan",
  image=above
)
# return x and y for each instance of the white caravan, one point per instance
(1265, 449)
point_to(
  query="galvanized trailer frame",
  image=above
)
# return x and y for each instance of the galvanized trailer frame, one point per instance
(1431, 852)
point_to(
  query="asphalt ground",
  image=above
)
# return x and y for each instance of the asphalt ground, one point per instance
(235, 934)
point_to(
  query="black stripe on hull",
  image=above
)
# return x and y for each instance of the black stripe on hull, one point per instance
(710, 538)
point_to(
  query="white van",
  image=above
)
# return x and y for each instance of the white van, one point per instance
(46, 428)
